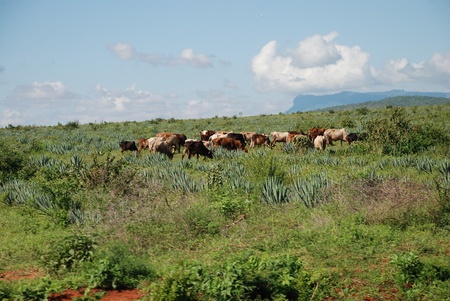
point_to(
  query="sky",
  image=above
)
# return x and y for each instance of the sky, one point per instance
(100, 61)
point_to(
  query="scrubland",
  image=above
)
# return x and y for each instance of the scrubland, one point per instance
(366, 221)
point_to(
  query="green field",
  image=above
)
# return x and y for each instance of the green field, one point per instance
(353, 222)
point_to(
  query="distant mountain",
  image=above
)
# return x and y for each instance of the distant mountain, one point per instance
(397, 101)
(316, 102)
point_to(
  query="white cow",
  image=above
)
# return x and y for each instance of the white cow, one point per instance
(320, 142)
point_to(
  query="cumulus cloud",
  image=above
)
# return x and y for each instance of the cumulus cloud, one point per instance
(187, 57)
(317, 64)
(320, 65)
(435, 70)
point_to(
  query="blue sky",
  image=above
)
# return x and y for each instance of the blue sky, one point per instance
(111, 60)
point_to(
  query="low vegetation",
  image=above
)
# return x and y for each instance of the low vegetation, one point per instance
(366, 221)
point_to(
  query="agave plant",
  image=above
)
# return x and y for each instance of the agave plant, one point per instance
(181, 181)
(274, 191)
(76, 161)
(425, 164)
(43, 161)
(444, 170)
(17, 192)
(309, 191)
(241, 184)
(289, 148)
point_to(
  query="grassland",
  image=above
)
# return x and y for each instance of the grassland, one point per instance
(366, 221)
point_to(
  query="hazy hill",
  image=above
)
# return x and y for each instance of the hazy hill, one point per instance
(316, 102)
(397, 101)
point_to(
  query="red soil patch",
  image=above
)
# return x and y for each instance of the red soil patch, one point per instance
(68, 295)
(125, 295)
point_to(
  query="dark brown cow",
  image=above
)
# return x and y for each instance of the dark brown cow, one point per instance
(240, 146)
(128, 146)
(237, 136)
(181, 140)
(259, 139)
(163, 148)
(192, 148)
(356, 137)
(228, 143)
(174, 143)
(314, 132)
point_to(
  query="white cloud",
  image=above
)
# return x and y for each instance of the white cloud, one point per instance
(187, 57)
(37, 103)
(45, 94)
(316, 51)
(122, 50)
(45, 90)
(13, 117)
(195, 60)
(41, 106)
(320, 65)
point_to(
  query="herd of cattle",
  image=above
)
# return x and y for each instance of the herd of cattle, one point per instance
(168, 143)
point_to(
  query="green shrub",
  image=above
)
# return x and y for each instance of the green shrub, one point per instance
(39, 289)
(69, 253)
(118, 268)
(201, 219)
(241, 277)
(410, 268)
(12, 161)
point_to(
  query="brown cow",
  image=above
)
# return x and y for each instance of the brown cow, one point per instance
(142, 143)
(164, 135)
(259, 139)
(228, 143)
(314, 132)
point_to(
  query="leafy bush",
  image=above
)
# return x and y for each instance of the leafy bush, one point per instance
(418, 278)
(118, 268)
(243, 277)
(11, 162)
(69, 253)
(28, 289)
